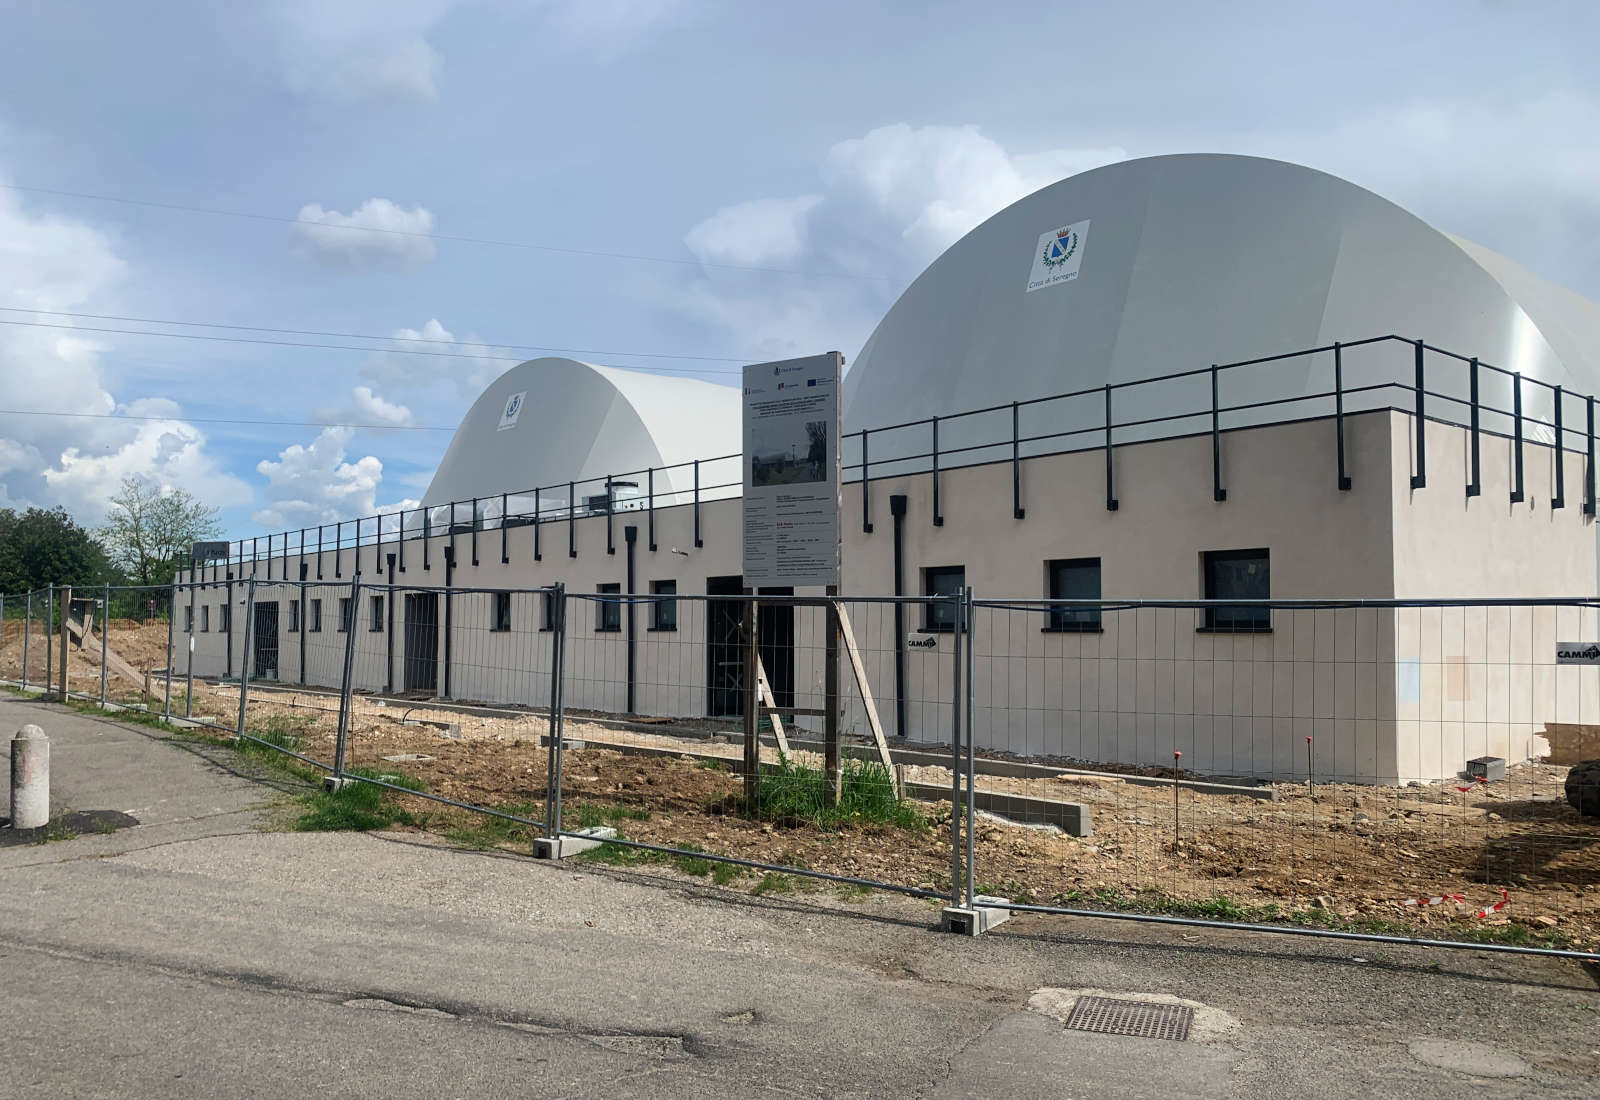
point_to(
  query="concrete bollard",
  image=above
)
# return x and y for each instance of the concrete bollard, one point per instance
(30, 779)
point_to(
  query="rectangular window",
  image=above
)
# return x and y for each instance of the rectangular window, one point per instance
(294, 616)
(944, 581)
(664, 613)
(316, 615)
(377, 613)
(344, 614)
(205, 618)
(188, 620)
(547, 611)
(1237, 575)
(1074, 579)
(225, 618)
(502, 612)
(608, 612)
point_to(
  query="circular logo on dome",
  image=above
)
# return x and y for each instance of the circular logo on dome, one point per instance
(1060, 248)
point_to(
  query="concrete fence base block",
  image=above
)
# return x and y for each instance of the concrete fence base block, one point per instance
(335, 783)
(563, 847)
(985, 913)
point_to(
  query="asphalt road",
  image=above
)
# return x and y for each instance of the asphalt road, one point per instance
(198, 954)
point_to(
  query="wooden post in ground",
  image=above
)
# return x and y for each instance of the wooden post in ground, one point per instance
(750, 690)
(853, 651)
(832, 763)
(66, 635)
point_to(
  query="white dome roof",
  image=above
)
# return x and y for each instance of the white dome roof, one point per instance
(1185, 261)
(577, 421)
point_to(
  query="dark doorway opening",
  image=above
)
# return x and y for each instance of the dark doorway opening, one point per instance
(422, 641)
(724, 657)
(264, 641)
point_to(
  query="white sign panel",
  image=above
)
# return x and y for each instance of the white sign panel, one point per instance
(791, 472)
(1057, 255)
(1577, 653)
(513, 409)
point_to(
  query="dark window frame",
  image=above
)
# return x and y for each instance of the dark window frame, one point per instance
(608, 613)
(294, 617)
(346, 615)
(205, 618)
(547, 612)
(940, 618)
(1073, 620)
(224, 618)
(188, 620)
(500, 613)
(664, 613)
(1235, 619)
(376, 626)
(316, 617)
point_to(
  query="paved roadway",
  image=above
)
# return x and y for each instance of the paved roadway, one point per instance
(197, 955)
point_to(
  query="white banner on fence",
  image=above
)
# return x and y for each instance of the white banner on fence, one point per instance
(1577, 653)
(791, 472)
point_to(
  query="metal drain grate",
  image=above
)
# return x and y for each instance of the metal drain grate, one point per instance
(1141, 1019)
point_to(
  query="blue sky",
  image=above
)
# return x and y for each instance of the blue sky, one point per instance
(836, 147)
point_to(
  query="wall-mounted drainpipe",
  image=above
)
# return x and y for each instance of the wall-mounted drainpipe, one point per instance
(897, 509)
(305, 567)
(388, 641)
(630, 535)
(449, 606)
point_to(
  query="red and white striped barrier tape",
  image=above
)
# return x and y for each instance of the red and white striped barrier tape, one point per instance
(1420, 903)
(1505, 899)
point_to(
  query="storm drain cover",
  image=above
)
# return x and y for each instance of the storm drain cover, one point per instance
(1141, 1019)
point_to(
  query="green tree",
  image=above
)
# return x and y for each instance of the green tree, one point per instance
(44, 546)
(149, 530)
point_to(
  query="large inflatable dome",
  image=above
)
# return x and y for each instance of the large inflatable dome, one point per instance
(550, 421)
(1166, 264)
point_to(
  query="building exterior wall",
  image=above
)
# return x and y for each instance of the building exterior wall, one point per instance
(1385, 694)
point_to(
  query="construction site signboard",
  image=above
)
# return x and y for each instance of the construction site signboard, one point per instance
(791, 472)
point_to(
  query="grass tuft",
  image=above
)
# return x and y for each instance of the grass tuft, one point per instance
(485, 833)
(358, 807)
(798, 794)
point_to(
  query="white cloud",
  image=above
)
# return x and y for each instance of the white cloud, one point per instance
(314, 483)
(378, 233)
(362, 50)
(468, 375)
(52, 263)
(366, 407)
(890, 202)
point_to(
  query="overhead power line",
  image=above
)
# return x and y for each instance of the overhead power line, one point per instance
(557, 249)
(224, 420)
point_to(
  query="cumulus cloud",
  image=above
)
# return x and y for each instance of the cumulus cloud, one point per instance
(366, 407)
(362, 50)
(468, 376)
(52, 263)
(315, 483)
(377, 234)
(891, 200)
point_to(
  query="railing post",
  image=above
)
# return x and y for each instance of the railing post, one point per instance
(956, 766)
(427, 537)
(650, 533)
(866, 484)
(105, 641)
(1516, 438)
(611, 546)
(1560, 499)
(188, 688)
(938, 516)
(346, 679)
(1017, 510)
(1218, 493)
(572, 519)
(247, 658)
(172, 654)
(1338, 411)
(476, 523)
(1419, 480)
(1588, 471)
(1111, 495)
(319, 553)
(537, 556)
(505, 548)
(552, 794)
(1474, 486)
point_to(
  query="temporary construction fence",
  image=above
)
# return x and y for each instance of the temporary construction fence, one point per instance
(1388, 770)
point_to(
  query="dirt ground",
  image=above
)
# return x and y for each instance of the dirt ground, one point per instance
(1356, 853)
(144, 646)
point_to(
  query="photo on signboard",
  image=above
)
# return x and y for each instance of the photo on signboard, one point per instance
(783, 458)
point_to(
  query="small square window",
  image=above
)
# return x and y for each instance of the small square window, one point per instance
(205, 618)
(377, 613)
(344, 614)
(948, 580)
(502, 612)
(664, 613)
(294, 616)
(608, 612)
(1237, 575)
(188, 620)
(316, 616)
(1074, 579)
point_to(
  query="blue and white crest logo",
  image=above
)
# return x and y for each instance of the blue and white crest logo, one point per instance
(513, 409)
(1058, 254)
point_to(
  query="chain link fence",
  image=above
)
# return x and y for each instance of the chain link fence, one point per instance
(1372, 769)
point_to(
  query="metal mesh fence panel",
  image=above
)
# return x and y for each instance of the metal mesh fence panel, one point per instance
(1391, 768)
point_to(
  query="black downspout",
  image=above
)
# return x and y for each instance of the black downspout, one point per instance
(388, 643)
(630, 535)
(449, 606)
(305, 567)
(228, 612)
(897, 509)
